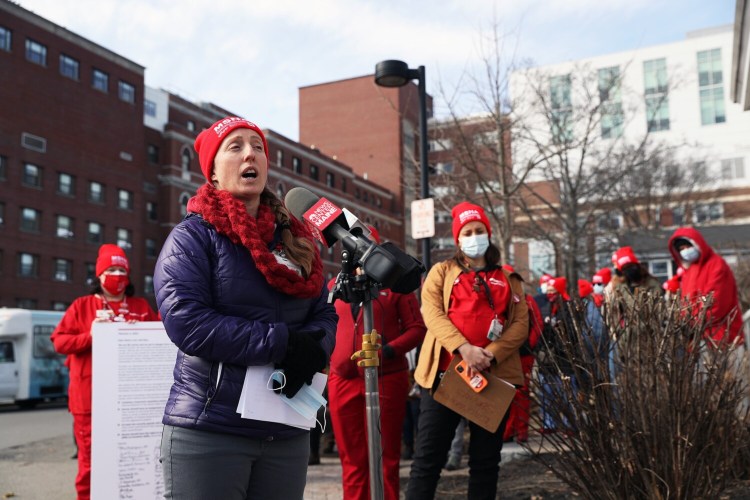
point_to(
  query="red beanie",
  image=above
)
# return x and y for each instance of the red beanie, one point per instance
(207, 143)
(623, 256)
(111, 255)
(560, 285)
(545, 278)
(603, 276)
(585, 288)
(466, 212)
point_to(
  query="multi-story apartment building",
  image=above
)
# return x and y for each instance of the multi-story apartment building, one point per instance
(373, 129)
(677, 95)
(90, 155)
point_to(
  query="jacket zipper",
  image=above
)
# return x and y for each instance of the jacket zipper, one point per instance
(215, 388)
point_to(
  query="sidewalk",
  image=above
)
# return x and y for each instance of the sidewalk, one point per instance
(43, 470)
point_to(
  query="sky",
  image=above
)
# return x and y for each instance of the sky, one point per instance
(251, 56)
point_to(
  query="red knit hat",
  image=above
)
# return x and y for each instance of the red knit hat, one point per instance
(560, 285)
(466, 212)
(545, 278)
(111, 255)
(623, 256)
(603, 276)
(585, 288)
(672, 284)
(207, 143)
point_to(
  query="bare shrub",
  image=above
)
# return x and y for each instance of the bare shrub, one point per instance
(648, 413)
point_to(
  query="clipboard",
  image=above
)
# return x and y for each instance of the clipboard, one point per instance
(486, 408)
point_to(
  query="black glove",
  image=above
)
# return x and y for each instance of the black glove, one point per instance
(388, 352)
(304, 358)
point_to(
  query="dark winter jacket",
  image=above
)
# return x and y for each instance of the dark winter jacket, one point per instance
(223, 316)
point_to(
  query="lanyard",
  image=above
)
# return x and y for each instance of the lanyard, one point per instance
(478, 279)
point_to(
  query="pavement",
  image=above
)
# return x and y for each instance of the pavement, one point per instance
(43, 470)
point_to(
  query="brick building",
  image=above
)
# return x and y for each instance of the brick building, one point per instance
(90, 155)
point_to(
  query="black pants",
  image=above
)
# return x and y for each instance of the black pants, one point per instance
(437, 426)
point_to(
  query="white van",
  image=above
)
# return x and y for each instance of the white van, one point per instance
(30, 369)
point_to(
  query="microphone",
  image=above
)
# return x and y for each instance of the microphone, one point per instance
(326, 220)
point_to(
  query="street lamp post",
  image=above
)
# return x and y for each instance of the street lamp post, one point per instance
(393, 73)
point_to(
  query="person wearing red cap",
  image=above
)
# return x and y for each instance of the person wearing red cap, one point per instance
(111, 299)
(600, 280)
(519, 413)
(397, 319)
(240, 287)
(631, 277)
(706, 274)
(476, 310)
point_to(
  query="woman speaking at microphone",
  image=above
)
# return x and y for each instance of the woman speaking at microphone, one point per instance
(475, 309)
(239, 283)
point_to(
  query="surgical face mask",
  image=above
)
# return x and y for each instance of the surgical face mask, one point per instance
(474, 246)
(543, 288)
(598, 289)
(690, 254)
(307, 400)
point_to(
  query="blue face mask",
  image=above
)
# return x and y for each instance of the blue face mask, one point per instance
(474, 246)
(598, 289)
(307, 400)
(690, 254)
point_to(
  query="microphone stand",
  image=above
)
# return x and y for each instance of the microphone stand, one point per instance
(360, 289)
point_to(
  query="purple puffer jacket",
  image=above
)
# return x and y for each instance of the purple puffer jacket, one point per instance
(223, 316)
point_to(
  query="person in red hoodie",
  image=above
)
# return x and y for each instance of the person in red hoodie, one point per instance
(111, 299)
(518, 415)
(707, 274)
(397, 319)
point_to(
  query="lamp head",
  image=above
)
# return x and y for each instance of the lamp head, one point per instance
(392, 73)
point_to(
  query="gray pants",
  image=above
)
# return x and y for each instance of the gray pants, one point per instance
(202, 465)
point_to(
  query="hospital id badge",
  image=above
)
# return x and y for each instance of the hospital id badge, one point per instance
(495, 331)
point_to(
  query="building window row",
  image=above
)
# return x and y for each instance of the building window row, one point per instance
(36, 53)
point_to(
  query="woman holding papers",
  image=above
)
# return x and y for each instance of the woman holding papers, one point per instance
(239, 284)
(476, 310)
(111, 299)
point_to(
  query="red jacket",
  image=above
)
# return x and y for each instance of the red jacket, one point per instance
(710, 274)
(73, 337)
(397, 319)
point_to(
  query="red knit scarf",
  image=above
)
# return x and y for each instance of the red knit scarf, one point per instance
(229, 216)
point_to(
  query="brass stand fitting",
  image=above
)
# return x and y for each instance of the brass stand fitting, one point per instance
(368, 356)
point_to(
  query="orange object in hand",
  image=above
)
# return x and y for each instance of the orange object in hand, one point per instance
(477, 382)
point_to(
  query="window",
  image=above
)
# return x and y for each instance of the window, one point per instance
(148, 284)
(610, 97)
(151, 211)
(541, 257)
(90, 269)
(655, 91)
(184, 198)
(659, 269)
(152, 152)
(43, 347)
(6, 352)
(444, 168)
(733, 168)
(63, 270)
(5, 39)
(28, 265)
(96, 192)
(64, 227)
(66, 184)
(330, 180)
(561, 109)
(26, 303)
(279, 158)
(296, 165)
(185, 156)
(190, 125)
(149, 108)
(707, 212)
(124, 238)
(440, 145)
(280, 190)
(95, 233)
(59, 306)
(678, 216)
(126, 92)
(3, 167)
(100, 80)
(711, 87)
(30, 220)
(609, 221)
(124, 199)
(32, 175)
(69, 67)
(150, 248)
(36, 52)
